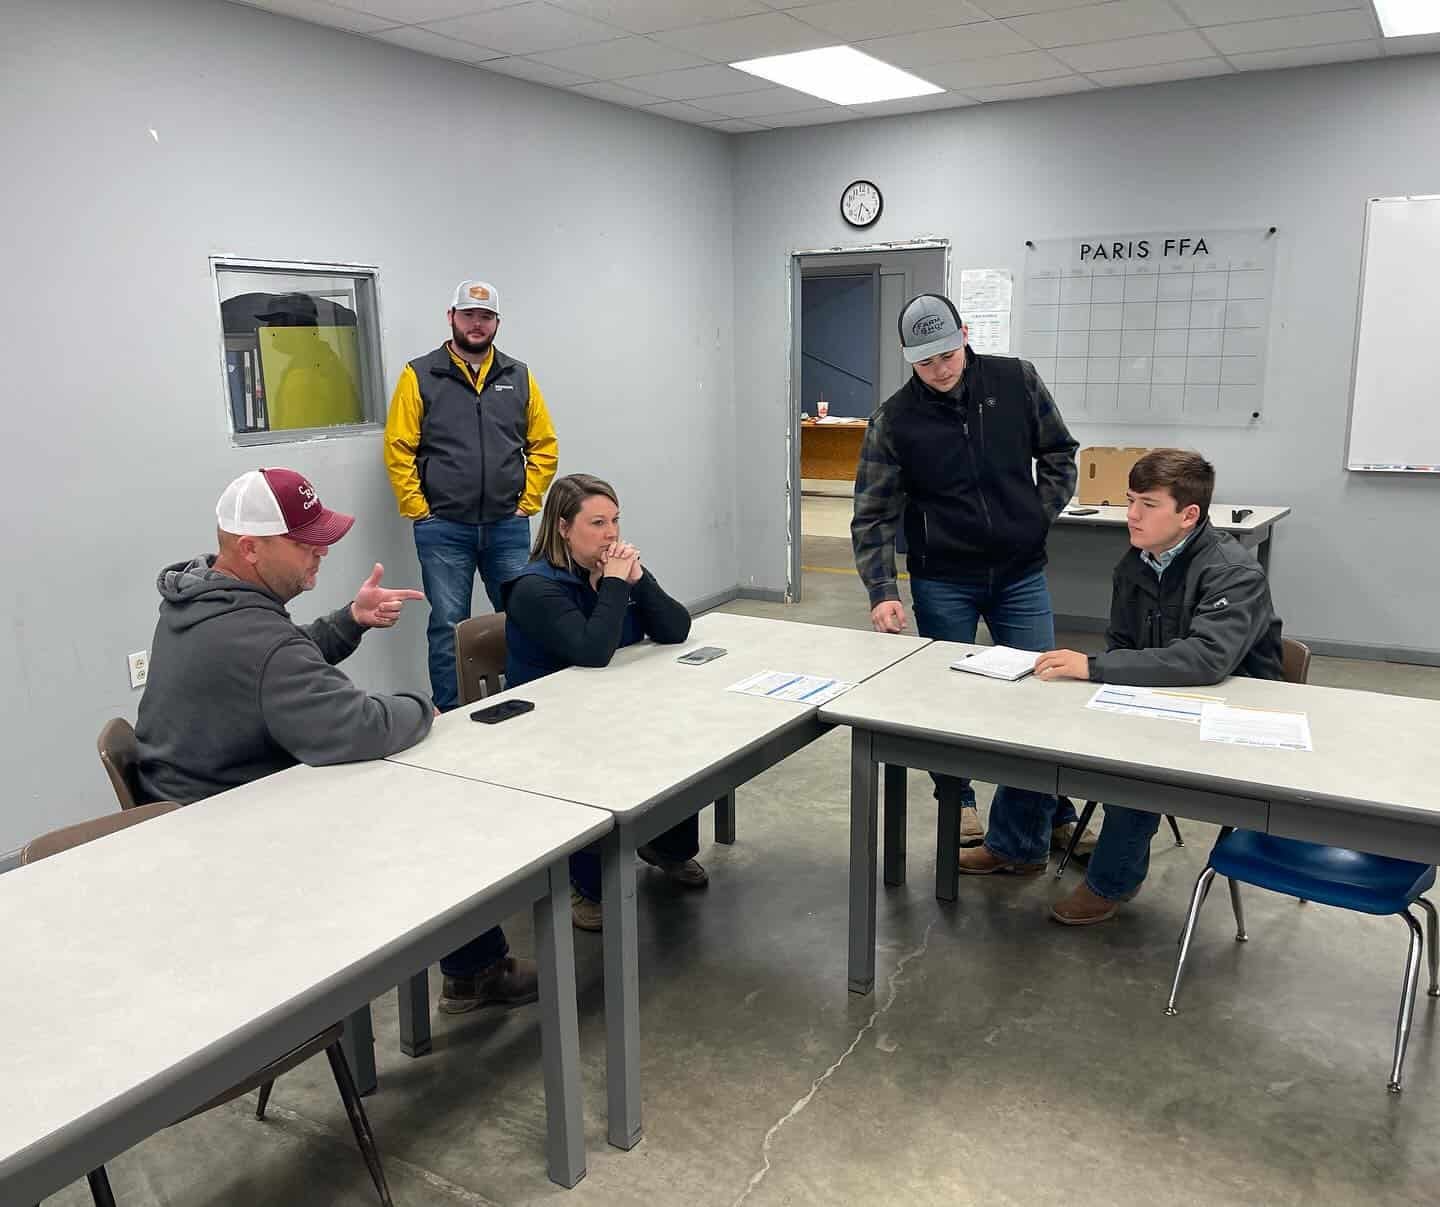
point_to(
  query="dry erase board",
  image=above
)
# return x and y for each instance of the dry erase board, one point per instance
(1395, 390)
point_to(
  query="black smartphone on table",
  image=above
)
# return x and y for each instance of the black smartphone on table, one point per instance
(706, 653)
(503, 711)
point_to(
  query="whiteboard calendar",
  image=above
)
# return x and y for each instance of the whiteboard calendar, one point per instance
(1166, 328)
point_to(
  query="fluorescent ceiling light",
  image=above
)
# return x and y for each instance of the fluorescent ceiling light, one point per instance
(1405, 18)
(840, 74)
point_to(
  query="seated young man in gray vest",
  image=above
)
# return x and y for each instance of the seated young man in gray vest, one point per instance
(1188, 607)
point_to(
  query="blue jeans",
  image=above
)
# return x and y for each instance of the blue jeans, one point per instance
(1121, 858)
(450, 553)
(679, 842)
(1018, 614)
(477, 955)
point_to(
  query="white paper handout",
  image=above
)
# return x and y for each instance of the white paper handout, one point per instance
(1255, 727)
(1147, 702)
(998, 662)
(788, 685)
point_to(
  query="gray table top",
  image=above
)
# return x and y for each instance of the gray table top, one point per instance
(628, 735)
(1114, 517)
(1371, 751)
(176, 934)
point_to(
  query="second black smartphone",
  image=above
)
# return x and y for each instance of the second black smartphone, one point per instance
(502, 711)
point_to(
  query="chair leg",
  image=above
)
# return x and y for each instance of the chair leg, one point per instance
(1432, 944)
(100, 1187)
(1175, 830)
(1085, 815)
(1197, 899)
(264, 1099)
(1240, 935)
(1407, 999)
(359, 1122)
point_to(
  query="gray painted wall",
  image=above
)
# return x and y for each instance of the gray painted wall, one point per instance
(1300, 150)
(608, 232)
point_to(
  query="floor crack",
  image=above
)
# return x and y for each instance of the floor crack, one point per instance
(893, 984)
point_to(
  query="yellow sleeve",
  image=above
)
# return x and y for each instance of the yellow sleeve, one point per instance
(542, 451)
(402, 441)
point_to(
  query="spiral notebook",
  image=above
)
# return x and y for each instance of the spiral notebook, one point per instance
(998, 662)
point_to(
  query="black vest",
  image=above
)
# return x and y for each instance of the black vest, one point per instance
(967, 470)
(472, 446)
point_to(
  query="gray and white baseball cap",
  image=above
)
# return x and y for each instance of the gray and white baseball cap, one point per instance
(929, 325)
(476, 295)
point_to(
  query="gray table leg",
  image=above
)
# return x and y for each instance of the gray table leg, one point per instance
(863, 809)
(895, 805)
(725, 819)
(947, 851)
(1262, 550)
(560, 1033)
(622, 988)
(415, 1014)
(358, 1040)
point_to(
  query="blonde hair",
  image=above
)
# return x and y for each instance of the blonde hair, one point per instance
(567, 495)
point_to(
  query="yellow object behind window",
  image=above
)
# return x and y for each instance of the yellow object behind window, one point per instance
(312, 376)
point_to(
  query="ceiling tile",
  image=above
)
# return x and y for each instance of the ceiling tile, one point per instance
(1137, 52)
(1306, 56)
(1008, 69)
(914, 51)
(616, 94)
(413, 12)
(810, 117)
(1221, 12)
(762, 104)
(527, 28)
(1099, 23)
(624, 56)
(913, 104)
(321, 12)
(747, 38)
(695, 82)
(648, 16)
(1282, 33)
(1160, 73)
(734, 125)
(1418, 44)
(1017, 8)
(539, 73)
(852, 20)
(680, 111)
(415, 38)
(1016, 92)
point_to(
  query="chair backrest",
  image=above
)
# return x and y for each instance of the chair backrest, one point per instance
(87, 831)
(1295, 656)
(118, 756)
(479, 656)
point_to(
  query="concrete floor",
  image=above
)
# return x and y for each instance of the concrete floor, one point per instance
(1002, 1060)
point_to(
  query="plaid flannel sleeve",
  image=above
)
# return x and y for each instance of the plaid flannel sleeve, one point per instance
(879, 503)
(1054, 451)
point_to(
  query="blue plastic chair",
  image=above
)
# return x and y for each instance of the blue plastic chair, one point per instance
(1369, 884)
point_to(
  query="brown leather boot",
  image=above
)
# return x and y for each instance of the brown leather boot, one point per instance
(972, 833)
(507, 982)
(1083, 907)
(982, 861)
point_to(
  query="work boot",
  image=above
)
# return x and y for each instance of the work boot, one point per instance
(681, 871)
(507, 982)
(982, 861)
(1060, 839)
(1082, 906)
(584, 913)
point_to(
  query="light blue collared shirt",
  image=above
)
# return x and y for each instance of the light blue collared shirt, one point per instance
(1158, 564)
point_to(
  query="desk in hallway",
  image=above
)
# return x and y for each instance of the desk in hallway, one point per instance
(831, 450)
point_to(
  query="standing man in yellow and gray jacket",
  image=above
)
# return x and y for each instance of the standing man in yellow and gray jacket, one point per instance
(470, 449)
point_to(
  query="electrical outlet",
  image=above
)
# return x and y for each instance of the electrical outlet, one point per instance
(139, 667)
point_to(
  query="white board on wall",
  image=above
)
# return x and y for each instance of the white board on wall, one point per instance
(1395, 391)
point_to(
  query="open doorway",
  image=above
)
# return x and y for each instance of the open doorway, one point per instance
(845, 361)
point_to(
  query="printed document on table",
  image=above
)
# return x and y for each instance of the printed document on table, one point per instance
(1255, 727)
(1147, 702)
(787, 685)
(998, 662)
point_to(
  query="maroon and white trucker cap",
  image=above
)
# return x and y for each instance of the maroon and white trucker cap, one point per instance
(279, 502)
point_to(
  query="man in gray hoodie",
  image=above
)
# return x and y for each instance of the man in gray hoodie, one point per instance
(238, 691)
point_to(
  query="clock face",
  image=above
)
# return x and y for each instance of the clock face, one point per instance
(860, 204)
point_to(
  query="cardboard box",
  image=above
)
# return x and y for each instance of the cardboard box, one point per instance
(1105, 474)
